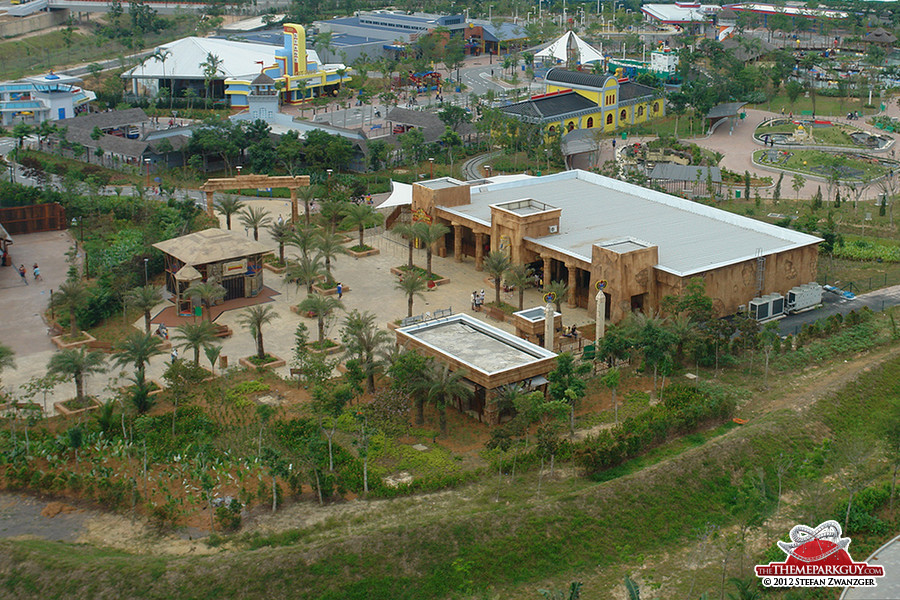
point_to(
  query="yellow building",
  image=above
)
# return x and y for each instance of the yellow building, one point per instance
(576, 100)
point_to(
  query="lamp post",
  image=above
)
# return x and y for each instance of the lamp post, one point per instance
(431, 168)
(490, 12)
(146, 278)
(147, 162)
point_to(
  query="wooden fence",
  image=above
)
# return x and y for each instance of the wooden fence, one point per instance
(33, 218)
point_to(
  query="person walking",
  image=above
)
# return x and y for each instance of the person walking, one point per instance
(37, 272)
(340, 290)
(22, 274)
(174, 354)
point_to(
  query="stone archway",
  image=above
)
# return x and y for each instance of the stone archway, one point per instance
(256, 181)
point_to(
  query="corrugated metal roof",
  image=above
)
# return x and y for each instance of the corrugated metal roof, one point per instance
(550, 106)
(691, 237)
(576, 78)
(676, 172)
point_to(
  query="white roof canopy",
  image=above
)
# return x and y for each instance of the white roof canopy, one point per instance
(559, 49)
(401, 195)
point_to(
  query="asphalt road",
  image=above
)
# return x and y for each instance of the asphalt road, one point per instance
(876, 300)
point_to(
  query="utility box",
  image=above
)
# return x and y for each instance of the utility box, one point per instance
(770, 306)
(804, 297)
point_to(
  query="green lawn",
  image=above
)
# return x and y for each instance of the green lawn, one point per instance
(824, 105)
(806, 161)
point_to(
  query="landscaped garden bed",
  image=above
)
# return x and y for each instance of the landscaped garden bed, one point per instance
(329, 288)
(65, 341)
(73, 407)
(362, 251)
(270, 361)
(403, 270)
(326, 347)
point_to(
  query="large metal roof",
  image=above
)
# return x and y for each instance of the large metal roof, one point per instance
(691, 237)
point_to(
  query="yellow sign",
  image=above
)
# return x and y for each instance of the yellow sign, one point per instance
(421, 216)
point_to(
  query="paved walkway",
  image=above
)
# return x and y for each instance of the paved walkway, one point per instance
(369, 279)
(888, 556)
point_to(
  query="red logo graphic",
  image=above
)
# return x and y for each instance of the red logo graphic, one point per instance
(818, 558)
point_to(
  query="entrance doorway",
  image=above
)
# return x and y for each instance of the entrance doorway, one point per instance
(234, 287)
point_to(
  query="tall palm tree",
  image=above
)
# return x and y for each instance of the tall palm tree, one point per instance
(137, 349)
(212, 66)
(71, 296)
(306, 272)
(253, 320)
(329, 246)
(281, 233)
(304, 239)
(307, 195)
(331, 212)
(363, 340)
(519, 276)
(76, 364)
(253, 218)
(195, 336)
(6, 358)
(409, 232)
(440, 386)
(145, 299)
(227, 206)
(429, 233)
(559, 290)
(496, 263)
(162, 55)
(412, 284)
(209, 293)
(360, 216)
(322, 306)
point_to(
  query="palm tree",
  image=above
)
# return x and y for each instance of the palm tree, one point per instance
(227, 206)
(211, 68)
(519, 276)
(409, 232)
(195, 336)
(6, 358)
(71, 296)
(137, 349)
(412, 284)
(253, 320)
(76, 364)
(209, 293)
(322, 306)
(255, 217)
(331, 212)
(145, 299)
(281, 233)
(361, 216)
(329, 246)
(307, 195)
(429, 233)
(559, 290)
(162, 55)
(304, 239)
(440, 386)
(496, 263)
(306, 272)
(363, 341)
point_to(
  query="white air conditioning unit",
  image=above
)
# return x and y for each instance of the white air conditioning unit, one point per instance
(554, 228)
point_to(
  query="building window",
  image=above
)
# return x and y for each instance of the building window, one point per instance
(571, 125)
(655, 107)
(552, 129)
(623, 115)
(590, 122)
(641, 110)
(609, 119)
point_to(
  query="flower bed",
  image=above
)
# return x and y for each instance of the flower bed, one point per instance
(269, 362)
(329, 291)
(326, 347)
(402, 270)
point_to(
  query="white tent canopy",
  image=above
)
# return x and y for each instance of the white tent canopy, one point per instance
(401, 195)
(559, 49)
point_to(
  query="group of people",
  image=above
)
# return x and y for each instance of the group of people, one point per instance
(35, 270)
(477, 300)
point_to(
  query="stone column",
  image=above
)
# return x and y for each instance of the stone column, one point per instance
(457, 242)
(295, 210)
(547, 266)
(210, 204)
(600, 318)
(549, 332)
(479, 251)
(573, 281)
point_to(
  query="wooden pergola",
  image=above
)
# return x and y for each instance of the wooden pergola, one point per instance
(259, 182)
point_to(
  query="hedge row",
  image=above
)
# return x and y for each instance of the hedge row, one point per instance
(684, 409)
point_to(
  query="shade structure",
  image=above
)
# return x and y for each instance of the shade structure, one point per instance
(559, 49)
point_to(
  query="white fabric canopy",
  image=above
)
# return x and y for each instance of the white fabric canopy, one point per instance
(401, 195)
(559, 49)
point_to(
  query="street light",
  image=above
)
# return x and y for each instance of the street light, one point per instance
(147, 162)
(146, 278)
(431, 167)
(80, 222)
(239, 167)
(490, 12)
